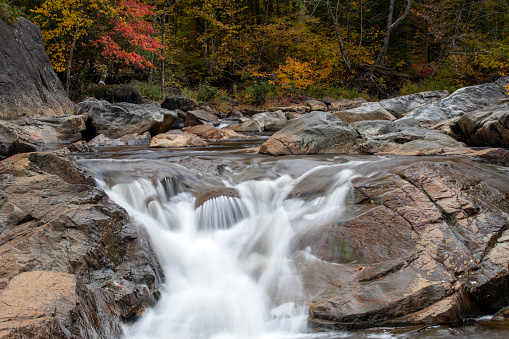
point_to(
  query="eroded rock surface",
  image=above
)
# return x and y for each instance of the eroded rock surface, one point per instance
(54, 220)
(177, 140)
(427, 245)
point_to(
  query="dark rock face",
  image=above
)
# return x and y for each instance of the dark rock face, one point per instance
(28, 84)
(181, 102)
(488, 127)
(427, 245)
(117, 93)
(9, 142)
(316, 132)
(464, 100)
(117, 120)
(200, 117)
(54, 220)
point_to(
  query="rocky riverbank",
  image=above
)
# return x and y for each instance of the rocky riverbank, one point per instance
(424, 244)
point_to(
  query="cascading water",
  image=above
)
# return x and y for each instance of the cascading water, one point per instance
(228, 264)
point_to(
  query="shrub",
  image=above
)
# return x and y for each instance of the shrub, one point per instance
(206, 92)
(258, 92)
(8, 13)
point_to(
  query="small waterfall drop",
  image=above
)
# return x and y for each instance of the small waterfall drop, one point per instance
(228, 264)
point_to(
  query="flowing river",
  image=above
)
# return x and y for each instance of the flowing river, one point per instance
(230, 261)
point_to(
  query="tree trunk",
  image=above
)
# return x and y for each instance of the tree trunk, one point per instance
(163, 37)
(390, 27)
(335, 20)
(151, 70)
(73, 45)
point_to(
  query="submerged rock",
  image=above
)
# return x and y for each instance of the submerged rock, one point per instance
(426, 246)
(63, 240)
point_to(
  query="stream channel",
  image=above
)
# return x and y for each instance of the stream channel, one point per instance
(230, 263)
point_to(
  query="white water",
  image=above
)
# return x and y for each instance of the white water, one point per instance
(229, 264)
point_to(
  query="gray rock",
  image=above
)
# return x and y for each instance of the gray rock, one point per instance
(487, 127)
(117, 120)
(402, 105)
(128, 139)
(9, 142)
(344, 104)
(392, 138)
(316, 105)
(28, 84)
(35, 132)
(462, 101)
(266, 121)
(200, 117)
(315, 132)
(366, 111)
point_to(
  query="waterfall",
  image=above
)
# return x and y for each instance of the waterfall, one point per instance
(229, 263)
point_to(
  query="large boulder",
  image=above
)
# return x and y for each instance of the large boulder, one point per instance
(427, 244)
(117, 93)
(462, 101)
(402, 105)
(388, 137)
(487, 127)
(28, 84)
(366, 111)
(63, 240)
(117, 120)
(315, 132)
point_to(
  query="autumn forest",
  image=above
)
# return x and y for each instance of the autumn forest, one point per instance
(260, 51)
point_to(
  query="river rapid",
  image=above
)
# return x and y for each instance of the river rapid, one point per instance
(230, 263)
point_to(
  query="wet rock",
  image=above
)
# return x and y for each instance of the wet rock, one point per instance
(28, 84)
(495, 156)
(177, 140)
(129, 139)
(200, 117)
(462, 101)
(487, 127)
(210, 132)
(53, 219)
(366, 111)
(180, 102)
(117, 120)
(9, 142)
(117, 93)
(387, 137)
(400, 106)
(316, 132)
(219, 192)
(426, 246)
(316, 105)
(77, 147)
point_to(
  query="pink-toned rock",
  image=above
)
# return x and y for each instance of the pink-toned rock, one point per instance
(210, 132)
(177, 140)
